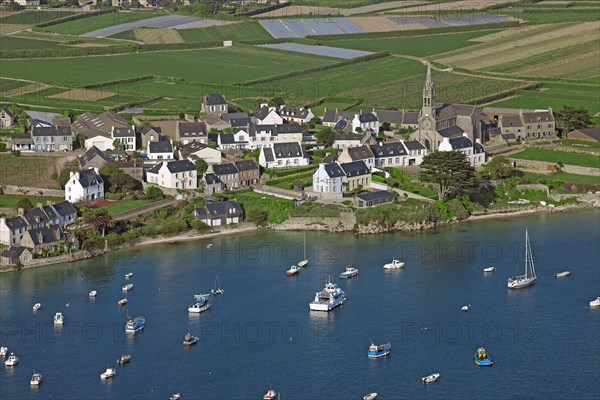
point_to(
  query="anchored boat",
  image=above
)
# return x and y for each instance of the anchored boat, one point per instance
(134, 325)
(123, 359)
(36, 379)
(294, 269)
(395, 264)
(189, 340)
(37, 306)
(58, 319)
(329, 298)
(350, 272)
(202, 303)
(382, 350)
(522, 281)
(482, 358)
(127, 287)
(562, 274)
(109, 373)
(430, 378)
(12, 360)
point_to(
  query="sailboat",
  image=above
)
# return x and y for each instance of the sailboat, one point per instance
(304, 261)
(217, 289)
(529, 278)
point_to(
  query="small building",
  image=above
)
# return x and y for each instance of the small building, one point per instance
(221, 213)
(357, 175)
(348, 140)
(94, 158)
(328, 178)
(214, 123)
(283, 155)
(187, 132)
(291, 114)
(214, 104)
(268, 116)
(7, 119)
(227, 174)
(160, 151)
(474, 151)
(367, 122)
(14, 255)
(360, 153)
(249, 172)
(585, 134)
(85, 185)
(51, 138)
(22, 142)
(372, 199)
(44, 238)
(150, 134)
(194, 151)
(180, 174)
(102, 141)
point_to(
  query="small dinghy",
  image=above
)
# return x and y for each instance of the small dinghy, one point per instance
(482, 359)
(36, 379)
(58, 319)
(122, 302)
(294, 269)
(37, 306)
(189, 340)
(129, 275)
(370, 396)
(127, 287)
(489, 269)
(3, 351)
(430, 378)
(595, 303)
(93, 293)
(562, 274)
(109, 373)
(175, 396)
(123, 359)
(270, 395)
(465, 308)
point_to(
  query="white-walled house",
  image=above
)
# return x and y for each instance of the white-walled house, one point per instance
(360, 153)
(180, 174)
(474, 151)
(194, 151)
(268, 116)
(160, 151)
(86, 185)
(366, 122)
(283, 155)
(300, 115)
(398, 154)
(328, 178)
(101, 140)
(126, 136)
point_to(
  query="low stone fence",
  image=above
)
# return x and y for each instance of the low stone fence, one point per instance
(542, 167)
(31, 191)
(278, 192)
(534, 186)
(343, 223)
(40, 262)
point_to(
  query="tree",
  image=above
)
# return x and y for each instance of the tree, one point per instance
(571, 118)
(25, 204)
(449, 171)
(201, 166)
(559, 166)
(499, 167)
(277, 101)
(326, 136)
(385, 127)
(98, 218)
(117, 145)
(154, 193)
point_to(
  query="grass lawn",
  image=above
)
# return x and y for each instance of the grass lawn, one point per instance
(562, 176)
(553, 156)
(124, 205)
(34, 171)
(8, 201)
(277, 209)
(420, 46)
(35, 17)
(85, 25)
(225, 66)
(247, 30)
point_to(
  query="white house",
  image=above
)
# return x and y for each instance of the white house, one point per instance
(366, 122)
(262, 136)
(126, 136)
(398, 154)
(328, 178)
(288, 133)
(348, 140)
(300, 115)
(160, 151)
(283, 155)
(268, 116)
(180, 174)
(86, 185)
(194, 151)
(220, 213)
(474, 151)
(360, 153)
(101, 140)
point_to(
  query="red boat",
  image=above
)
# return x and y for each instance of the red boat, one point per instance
(270, 395)
(122, 302)
(292, 271)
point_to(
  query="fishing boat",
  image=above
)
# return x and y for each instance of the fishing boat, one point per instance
(175, 396)
(217, 289)
(482, 358)
(430, 378)
(123, 359)
(58, 319)
(129, 275)
(189, 340)
(93, 293)
(562, 274)
(127, 287)
(270, 395)
(109, 373)
(382, 350)
(12, 360)
(304, 261)
(294, 269)
(135, 324)
(350, 272)
(3, 351)
(370, 396)
(329, 298)
(595, 303)
(36, 379)
(489, 269)
(122, 302)
(465, 308)
(522, 281)
(395, 264)
(37, 306)
(202, 303)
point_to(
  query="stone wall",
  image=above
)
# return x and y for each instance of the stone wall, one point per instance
(64, 258)
(31, 191)
(542, 167)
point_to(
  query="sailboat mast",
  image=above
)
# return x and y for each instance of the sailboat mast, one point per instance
(526, 253)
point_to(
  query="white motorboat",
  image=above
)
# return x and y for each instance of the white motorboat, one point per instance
(562, 274)
(465, 308)
(595, 303)
(12, 360)
(202, 303)
(395, 264)
(294, 269)
(175, 396)
(36, 379)
(37, 306)
(270, 395)
(127, 287)
(189, 339)
(208, 246)
(122, 302)
(129, 275)
(370, 396)
(489, 269)
(93, 293)
(430, 378)
(58, 319)
(523, 281)
(329, 298)
(3, 351)
(109, 373)
(350, 272)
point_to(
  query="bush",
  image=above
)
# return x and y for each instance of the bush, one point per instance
(15, 153)
(457, 209)
(2, 146)
(25, 204)
(200, 226)
(154, 193)
(259, 217)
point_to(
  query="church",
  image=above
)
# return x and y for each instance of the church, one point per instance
(437, 122)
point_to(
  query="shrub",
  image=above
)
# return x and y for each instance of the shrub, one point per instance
(2, 146)
(154, 193)
(25, 204)
(457, 209)
(259, 217)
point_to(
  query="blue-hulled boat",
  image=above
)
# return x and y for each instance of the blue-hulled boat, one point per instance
(382, 350)
(482, 358)
(135, 324)
(202, 303)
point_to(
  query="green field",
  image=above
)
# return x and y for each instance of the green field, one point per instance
(562, 176)
(277, 209)
(420, 46)
(247, 30)
(537, 16)
(554, 156)
(124, 205)
(556, 95)
(8, 201)
(85, 25)
(9, 84)
(221, 65)
(35, 17)
(17, 43)
(36, 171)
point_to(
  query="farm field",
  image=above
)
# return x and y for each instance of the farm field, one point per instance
(9, 84)
(85, 25)
(541, 16)
(206, 65)
(420, 46)
(9, 201)
(554, 156)
(16, 43)
(35, 17)
(36, 171)
(157, 36)
(247, 30)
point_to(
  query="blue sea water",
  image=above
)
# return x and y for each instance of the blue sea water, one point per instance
(544, 339)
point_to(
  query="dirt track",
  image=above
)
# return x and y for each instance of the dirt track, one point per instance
(292, 10)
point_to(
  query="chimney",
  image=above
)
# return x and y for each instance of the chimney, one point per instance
(264, 105)
(39, 205)
(21, 211)
(97, 170)
(49, 203)
(77, 175)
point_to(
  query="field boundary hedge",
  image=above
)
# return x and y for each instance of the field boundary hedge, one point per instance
(74, 17)
(119, 82)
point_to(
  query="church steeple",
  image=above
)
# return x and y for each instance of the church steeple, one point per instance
(428, 93)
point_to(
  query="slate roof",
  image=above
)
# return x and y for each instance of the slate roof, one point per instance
(240, 122)
(355, 168)
(269, 129)
(123, 132)
(532, 117)
(164, 146)
(227, 138)
(360, 153)
(478, 148)
(334, 170)
(511, 122)
(341, 125)
(211, 179)
(287, 150)
(348, 136)
(225, 169)
(389, 149)
(461, 143)
(367, 117)
(268, 152)
(234, 115)
(414, 145)
(262, 113)
(92, 153)
(23, 138)
(8, 112)
(220, 209)
(190, 148)
(149, 128)
(44, 214)
(294, 112)
(591, 132)
(246, 165)
(379, 195)
(333, 116)
(411, 118)
(214, 99)
(13, 251)
(44, 131)
(191, 129)
(46, 235)
(451, 131)
(180, 166)
(103, 122)
(90, 178)
(288, 128)
(391, 116)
